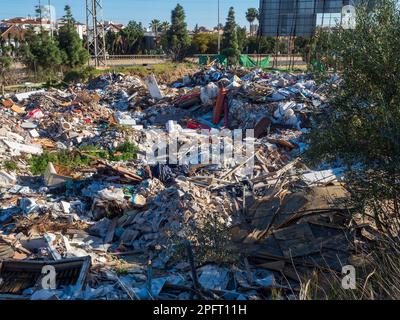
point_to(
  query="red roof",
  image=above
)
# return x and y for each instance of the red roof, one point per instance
(26, 21)
(14, 31)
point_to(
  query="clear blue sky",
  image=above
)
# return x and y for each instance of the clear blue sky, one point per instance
(203, 12)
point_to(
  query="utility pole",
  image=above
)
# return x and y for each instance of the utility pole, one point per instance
(219, 30)
(51, 19)
(40, 16)
(96, 41)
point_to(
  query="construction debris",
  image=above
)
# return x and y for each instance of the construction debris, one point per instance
(77, 186)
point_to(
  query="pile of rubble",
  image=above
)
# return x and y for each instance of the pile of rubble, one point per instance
(78, 192)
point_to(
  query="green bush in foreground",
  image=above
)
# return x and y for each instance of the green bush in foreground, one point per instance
(363, 126)
(362, 131)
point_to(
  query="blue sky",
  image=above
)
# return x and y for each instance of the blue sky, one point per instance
(203, 12)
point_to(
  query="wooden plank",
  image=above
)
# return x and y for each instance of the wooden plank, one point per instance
(297, 241)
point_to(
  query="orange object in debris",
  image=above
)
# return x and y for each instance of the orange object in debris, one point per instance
(17, 109)
(219, 106)
(65, 104)
(7, 103)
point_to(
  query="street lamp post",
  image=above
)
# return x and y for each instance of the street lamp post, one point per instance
(219, 32)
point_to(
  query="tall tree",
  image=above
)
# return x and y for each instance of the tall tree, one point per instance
(230, 41)
(110, 42)
(242, 38)
(5, 63)
(69, 18)
(251, 16)
(204, 43)
(41, 54)
(261, 45)
(70, 44)
(39, 15)
(131, 37)
(177, 36)
(38, 11)
(155, 26)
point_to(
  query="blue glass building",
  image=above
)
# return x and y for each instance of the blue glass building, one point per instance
(298, 17)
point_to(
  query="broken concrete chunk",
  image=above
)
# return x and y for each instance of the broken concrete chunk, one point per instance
(34, 133)
(26, 95)
(322, 177)
(112, 194)
(66, 207)
(19, 148)
(7, 179)
(52, 178)
(124, 119)
(153, 87)
(213, 277)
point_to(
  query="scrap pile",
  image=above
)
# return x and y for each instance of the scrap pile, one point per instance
(78, 192)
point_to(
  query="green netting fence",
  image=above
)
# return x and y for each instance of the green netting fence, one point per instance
(248, 62)
(318, 65)
(244, 60)
(203, 60)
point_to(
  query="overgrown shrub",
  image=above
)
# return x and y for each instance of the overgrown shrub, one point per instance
(211, 242)
(363, 125)
(362, 129)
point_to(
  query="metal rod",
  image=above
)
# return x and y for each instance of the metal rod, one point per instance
(40, 16)
(51, 21)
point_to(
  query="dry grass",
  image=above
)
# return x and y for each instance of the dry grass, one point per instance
(377, 276)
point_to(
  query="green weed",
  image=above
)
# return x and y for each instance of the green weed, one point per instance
(82, 157)
(9, 165)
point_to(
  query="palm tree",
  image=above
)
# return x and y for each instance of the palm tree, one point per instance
(119, 43)
(155, 25)
(164, 26)
(251, 16)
